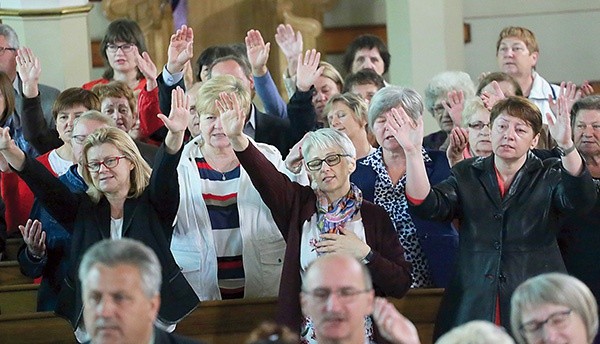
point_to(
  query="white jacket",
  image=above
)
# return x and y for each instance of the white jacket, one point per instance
(193, 244)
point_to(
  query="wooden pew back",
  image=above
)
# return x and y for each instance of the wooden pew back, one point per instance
(20, 298)
(10, 274)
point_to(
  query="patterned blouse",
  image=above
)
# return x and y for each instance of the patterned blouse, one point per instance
(392, 198)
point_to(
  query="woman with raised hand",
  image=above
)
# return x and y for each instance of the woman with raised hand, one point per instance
(508, 204)
(125, 198)
(329, 217)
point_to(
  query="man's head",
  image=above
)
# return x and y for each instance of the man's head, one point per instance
(9, 43)
(120, 282)
(365, 83)
(517, 51)
(84, 125)
(234, 66)
(585, 117)
(337, 294)
(367, 51)
(210, 54)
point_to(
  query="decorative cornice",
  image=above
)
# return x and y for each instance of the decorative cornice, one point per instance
(49, 12)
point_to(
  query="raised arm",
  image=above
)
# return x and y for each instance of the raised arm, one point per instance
(559, 125)
(409, 135)
(148, 101)
(35, 128)
(177, 121)
(258, 55)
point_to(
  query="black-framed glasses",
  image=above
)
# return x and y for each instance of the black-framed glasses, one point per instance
(557, 320)
(109, 162)
(479, 125)
(344, 294)
(126, 48)
(331, 160)
(4, 49)
(80, 139)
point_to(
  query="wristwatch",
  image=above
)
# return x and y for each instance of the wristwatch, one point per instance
(367, 259)
(564, 152)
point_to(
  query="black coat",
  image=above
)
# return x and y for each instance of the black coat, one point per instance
(148, 218)
(502, 241)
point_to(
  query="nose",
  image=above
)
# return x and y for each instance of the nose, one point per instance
(549, 334)
(333, 302)
(102, 167)
(105, 308)
(218, 123)
(368, 64)
(588, 131)
(486, 130)
(335, 122)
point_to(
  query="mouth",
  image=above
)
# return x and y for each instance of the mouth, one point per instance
(328, 179)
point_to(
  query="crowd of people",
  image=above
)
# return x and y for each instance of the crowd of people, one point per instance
(332, 200)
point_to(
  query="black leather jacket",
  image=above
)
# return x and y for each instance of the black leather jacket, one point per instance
(502, 240)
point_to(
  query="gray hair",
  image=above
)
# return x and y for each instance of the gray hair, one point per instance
(124, 251)
(476, 332)
(558, 289)
(444, 82)
(11, 36)
(390, 97)
(327, 138)
(97, 116)
(366, 275)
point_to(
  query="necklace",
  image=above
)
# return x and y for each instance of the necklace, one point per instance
(220, 167)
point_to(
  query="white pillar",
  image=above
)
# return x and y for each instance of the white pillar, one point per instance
(425, 37)
(57, 33)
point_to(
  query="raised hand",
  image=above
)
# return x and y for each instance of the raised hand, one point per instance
(308, 70)
(346, 242)
(34, 237)
(405, 130)
(233, 117)
(180, 112)
(6, 141)
(459, 137)
(293, 161)
(147, 68)
(181, 49)
(29, 69)
(490, 99)
(258, 52)
(290, 44)
(559, 121)
(454, 105)
(586, 89)
(392, 325)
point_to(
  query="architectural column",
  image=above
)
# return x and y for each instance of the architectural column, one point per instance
(425, 37)
(57, 32)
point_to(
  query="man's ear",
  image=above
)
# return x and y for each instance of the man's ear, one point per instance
(370, 301)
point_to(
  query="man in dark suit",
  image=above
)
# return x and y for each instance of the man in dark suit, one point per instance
(9, 43)
(120, 282)
(259, 126)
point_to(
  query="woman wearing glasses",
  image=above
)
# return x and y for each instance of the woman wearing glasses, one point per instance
(125, 198)
(553, 308)
(119, 48)
(329, 217)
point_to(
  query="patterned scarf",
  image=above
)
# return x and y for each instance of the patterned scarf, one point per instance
(332, 217)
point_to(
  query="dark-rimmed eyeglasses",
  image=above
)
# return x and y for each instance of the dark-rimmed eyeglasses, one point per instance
(110, 162)
(557, 320)
(331, 160)
(126, 48)
(479, 125)
(344, 294)
(4, 49)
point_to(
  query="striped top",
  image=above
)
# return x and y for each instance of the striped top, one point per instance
(219, 191)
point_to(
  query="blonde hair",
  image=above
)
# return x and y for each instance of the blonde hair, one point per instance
(521, 33)
(472, 106)
(210, 90)
(476, 332)
(139, 175)
(330, 72)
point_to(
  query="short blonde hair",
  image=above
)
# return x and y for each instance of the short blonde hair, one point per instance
(521, 33)
(211, 89)
(476, 332)
(472, 106)
(351, 100)
(558, 289)
(139, 175)
(330, 72)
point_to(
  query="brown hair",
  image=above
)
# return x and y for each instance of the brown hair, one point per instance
(121, 30)
(8, 93)
(75, 96)
(499, 77)
(116, 89)
(521, 108)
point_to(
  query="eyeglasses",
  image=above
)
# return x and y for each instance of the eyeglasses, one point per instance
(438, 109)
(331, 160)
(126, 48)
(80, 139)
(557, 320)
(4, 49)
(479, 125)
(344, 294)
(110, 162)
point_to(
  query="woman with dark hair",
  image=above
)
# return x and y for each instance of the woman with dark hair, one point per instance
(119, 48)
(508, 204)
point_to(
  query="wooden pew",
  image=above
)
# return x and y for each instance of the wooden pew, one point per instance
(218, 322)
(10, 274)
(20, 298)
(12, 248)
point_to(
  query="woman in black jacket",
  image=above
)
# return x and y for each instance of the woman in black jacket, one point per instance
(508, 205)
